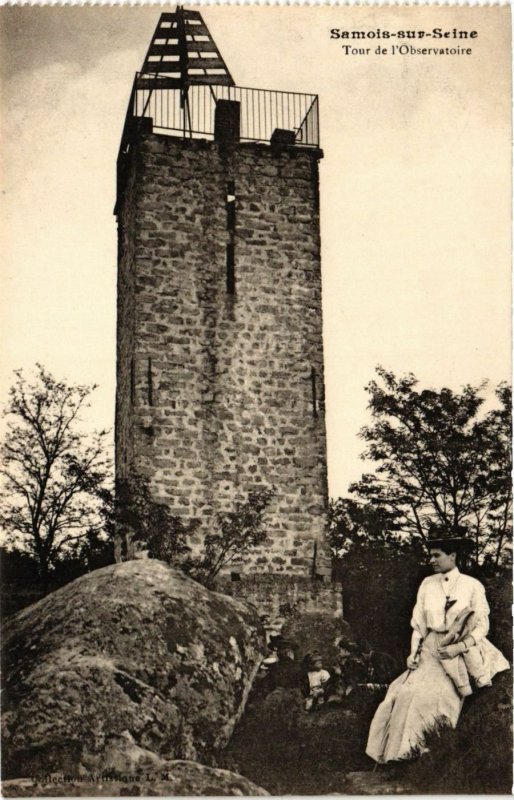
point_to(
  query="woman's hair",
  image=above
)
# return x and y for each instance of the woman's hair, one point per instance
(460, 551)
(446, 547)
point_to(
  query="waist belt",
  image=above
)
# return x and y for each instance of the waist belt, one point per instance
(432, 630)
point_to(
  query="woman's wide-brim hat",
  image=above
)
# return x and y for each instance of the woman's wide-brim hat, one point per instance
(455, 537)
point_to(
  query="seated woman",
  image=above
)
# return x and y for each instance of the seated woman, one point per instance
(427, 695)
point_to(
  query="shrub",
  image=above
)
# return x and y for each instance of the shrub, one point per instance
(240, 531)
(134, 517)
(379, 591)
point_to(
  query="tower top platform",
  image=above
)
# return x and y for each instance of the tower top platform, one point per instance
(183, 80)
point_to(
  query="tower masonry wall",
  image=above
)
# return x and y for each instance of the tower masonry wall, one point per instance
(220, 352)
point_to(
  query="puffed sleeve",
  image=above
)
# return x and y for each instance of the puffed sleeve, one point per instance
(418, 621)
(480, 621)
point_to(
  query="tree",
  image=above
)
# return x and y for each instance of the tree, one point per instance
(353, 524)
(240, 531)
(491, 522)
(51, 470)
(135, 519)
(439, 460)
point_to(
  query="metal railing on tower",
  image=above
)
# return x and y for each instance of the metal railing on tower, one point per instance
(183, 83)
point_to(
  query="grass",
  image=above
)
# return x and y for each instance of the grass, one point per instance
(286, 750)
(476, 758)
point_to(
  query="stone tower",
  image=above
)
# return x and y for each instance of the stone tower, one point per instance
(220, 386)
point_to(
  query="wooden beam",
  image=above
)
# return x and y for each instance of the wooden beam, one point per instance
(158, 83)
(161, 66)
(205, 63)
(173, 49)
(197, 30)
(163, 50)
(210, 80)
(206, 47)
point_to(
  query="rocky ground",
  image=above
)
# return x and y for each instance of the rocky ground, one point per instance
(131, 681)
(288, 751)
(281, 747)
(177, 778)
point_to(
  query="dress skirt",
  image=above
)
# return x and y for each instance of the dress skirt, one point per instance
(415, 703)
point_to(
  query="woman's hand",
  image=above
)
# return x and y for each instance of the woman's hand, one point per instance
(412, 662)
(451, 650)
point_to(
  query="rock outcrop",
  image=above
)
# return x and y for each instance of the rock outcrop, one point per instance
(178, 779)
(123, 668)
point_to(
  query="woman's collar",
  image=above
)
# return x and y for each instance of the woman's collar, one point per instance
(451, 575)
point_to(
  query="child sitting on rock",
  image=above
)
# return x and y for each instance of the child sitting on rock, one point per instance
(316, 681)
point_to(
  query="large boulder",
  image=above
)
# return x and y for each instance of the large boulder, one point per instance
(178, 779)
(122, 668)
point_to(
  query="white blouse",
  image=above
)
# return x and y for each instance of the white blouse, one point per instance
(436, 590)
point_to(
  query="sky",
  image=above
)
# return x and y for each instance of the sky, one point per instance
(415, 192)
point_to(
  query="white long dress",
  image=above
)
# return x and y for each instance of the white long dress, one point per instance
(421, 699)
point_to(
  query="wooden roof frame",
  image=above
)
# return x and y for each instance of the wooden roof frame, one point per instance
(175, 50)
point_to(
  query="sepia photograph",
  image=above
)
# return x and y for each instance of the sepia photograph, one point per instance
(255, 400)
